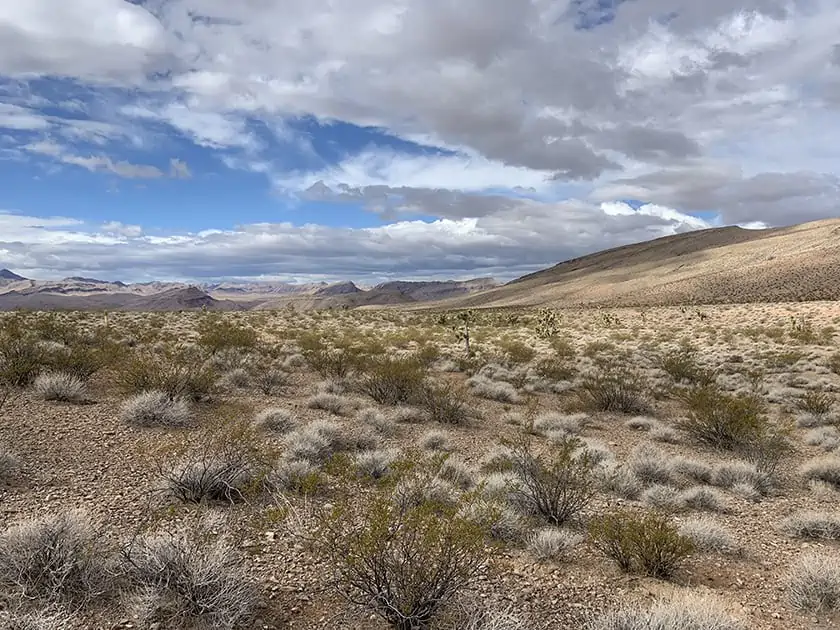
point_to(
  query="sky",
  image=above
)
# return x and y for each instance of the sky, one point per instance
(303, 140)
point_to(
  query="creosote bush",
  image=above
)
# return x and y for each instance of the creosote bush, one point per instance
(56, 558)
(392, 381)
(21, 360)
(217, 333)
(731, 422)
(179, 376)
(616, 390)
(444, 403)
(647, 543)
(404, 560)
(555, 484)
(184, 578)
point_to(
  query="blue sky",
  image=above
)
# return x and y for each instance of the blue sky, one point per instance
(203, 139)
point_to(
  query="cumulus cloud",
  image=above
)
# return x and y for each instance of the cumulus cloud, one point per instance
(538, 118)
(505, 244)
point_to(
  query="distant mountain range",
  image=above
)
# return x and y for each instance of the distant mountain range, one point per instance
(79, 293)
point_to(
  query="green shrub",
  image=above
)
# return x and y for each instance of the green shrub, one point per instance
(328, 361)
(392, 381)
(646, 543)
(21, 360)
(616, 390)
(556, 484)
(444, 403)
(516, 351)
(733, 422)
(681, 365)
(217, 333)
(179, 377)
(81, 361)
(555, 369)
(402, 559)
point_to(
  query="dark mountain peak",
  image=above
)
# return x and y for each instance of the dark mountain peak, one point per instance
(341, 288)
(5, 274)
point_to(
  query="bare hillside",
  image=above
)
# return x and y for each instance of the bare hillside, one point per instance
(721, 265)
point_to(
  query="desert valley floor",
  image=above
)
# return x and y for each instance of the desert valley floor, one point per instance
(287, 402)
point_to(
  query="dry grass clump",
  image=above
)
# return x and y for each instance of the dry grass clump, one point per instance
(708, 536)
(558, 425)
(294, 475)
(314, 442)
(156, 409)
(551, 543)
(642, 423)
(825, 469)
(59, 386)
(380, 422)
(374, 463)
(647, 543)
(9, 462)
(828, 438)
(687, 612)
(815, 525)
(500, 391)
(618, 479)
(334, 403)
(661, 496)
(55, 558)
(743, 476)
(815, 404)
(702, 498)
(456, 471)
(813, 583)
(693, 469)
(185, 579)
(408, 415)
(224, 466)
(51, 619)
(436, 440)
(276, 420)
(650, 465)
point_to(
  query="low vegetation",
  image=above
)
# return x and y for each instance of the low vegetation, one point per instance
(492, 469)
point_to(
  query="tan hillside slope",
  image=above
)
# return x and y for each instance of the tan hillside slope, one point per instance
(720, 265)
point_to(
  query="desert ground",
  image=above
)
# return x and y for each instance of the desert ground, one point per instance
(578, 468)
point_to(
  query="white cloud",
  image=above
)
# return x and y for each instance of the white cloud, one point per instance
(506, 244)
(383, 167)
(94, 39)
(714, 106)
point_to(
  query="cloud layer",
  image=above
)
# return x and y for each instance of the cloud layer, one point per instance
(515, 130)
